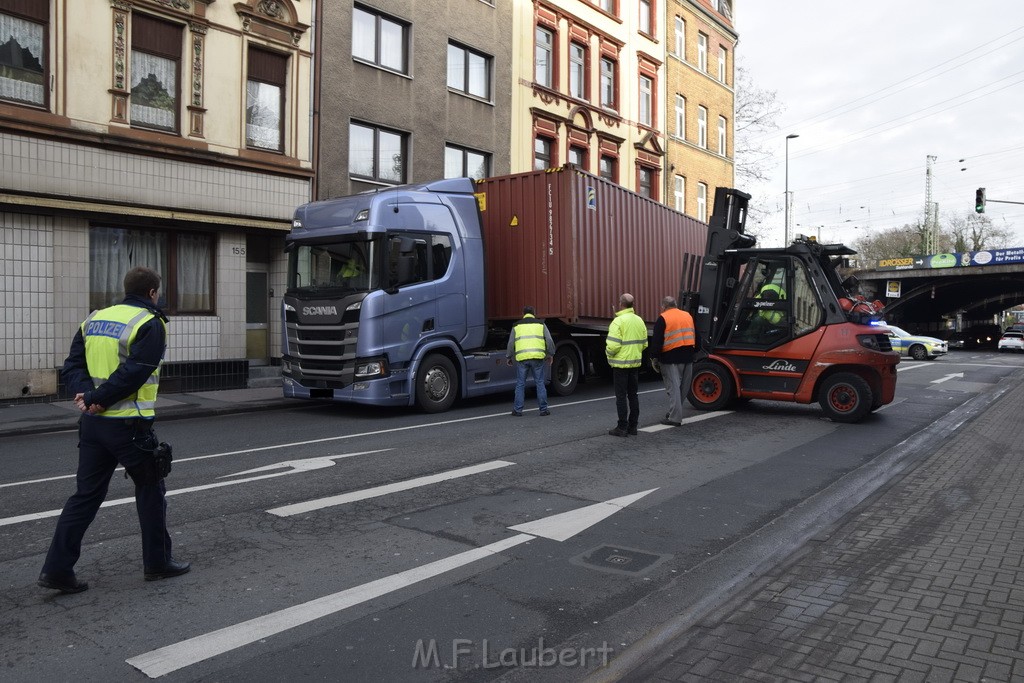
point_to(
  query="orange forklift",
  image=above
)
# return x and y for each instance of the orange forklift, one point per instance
(780, 324)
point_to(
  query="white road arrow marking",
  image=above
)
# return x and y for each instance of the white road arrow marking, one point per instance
(948, 377)
(294, 468)
(187, 652)
(353, 496)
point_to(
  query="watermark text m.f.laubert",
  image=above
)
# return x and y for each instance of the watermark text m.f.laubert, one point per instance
(470, 654)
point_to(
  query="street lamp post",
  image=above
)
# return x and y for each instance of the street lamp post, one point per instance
(785, 239)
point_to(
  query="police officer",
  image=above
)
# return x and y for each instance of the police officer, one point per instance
(531, 345)
(114, 370)
(673, 345)
(624, 348)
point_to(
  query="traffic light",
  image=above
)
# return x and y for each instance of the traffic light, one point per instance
(979, 200)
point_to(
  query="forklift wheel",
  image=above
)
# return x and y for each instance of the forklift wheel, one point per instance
(711, 387)
(845, 397)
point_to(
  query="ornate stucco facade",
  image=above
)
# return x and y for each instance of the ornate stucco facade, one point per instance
(183, 168)
(588, 87)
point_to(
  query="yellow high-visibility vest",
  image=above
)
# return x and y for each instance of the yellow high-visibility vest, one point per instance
(529, 340)
(627, 339)
(108, 335)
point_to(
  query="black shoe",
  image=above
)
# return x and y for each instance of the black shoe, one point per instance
(516, 413)
(631, 431)
(670, 423)
(67, 583)
(171, 569)
(617, 432)
(545, 413)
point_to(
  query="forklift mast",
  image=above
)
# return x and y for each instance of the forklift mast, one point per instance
(718, 274)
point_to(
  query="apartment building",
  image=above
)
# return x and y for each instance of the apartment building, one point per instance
(409, 91)
(701, 47)
(589, 89)
(173, 134)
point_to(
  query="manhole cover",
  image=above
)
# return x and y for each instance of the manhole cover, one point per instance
(618, 559)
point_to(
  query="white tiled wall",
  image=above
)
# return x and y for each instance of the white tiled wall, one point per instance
(66, 169)
(27, 330)
(193, 338)
(231, 294)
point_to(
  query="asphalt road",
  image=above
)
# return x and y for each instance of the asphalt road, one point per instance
(340, 543)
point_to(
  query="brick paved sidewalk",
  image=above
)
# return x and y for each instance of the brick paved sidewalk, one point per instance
(924, 581)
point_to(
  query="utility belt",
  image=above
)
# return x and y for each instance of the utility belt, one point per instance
(158, 466)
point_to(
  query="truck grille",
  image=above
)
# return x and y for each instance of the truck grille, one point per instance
(323, 352)
(883, 342)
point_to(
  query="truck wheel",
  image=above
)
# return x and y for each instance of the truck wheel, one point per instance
(436, 384)
(711, 387)
(845, 397)
(565, 371)
(918, 352)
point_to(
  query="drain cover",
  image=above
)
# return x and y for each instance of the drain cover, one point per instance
(618, 559)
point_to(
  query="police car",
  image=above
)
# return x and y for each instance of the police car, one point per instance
(917, 347)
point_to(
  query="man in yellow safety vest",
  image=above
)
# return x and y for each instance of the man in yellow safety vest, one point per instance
(533, 349)
(624, 348)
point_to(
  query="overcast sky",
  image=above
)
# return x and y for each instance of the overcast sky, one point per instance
(873, 88)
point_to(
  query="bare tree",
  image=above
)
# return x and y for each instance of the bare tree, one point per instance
(904, 241)
(756, 112)
(974, 232)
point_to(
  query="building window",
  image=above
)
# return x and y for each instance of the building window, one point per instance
(679, 193)
(721, 64)
(462, 162)
(680, 38)
(721, 136)
(184, 261)
(543, 153)
(607, 83)
(156, 60)
(609, 169)
(607, 5)
(647, 182)
(646, 17)
(469, 71)
(680, 117)
(23, 57)
(702, 202)
(702, 52)
(376, 153)
(578, 156)
(544, 58)
(702, 127)
(646, 101)
(380, 40)
(264, 101)
(578, 71)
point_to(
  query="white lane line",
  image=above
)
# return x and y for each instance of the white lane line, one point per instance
(558, 527)
(690, 420)
(179, 655)
(347, 436)
(7, 521)
(352, 496)
(906, 366)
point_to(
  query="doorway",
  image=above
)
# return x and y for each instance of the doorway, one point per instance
(257, 314)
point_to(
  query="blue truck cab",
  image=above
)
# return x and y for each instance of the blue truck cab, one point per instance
(385, 301)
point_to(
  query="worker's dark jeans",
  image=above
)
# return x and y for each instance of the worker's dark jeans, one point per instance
(627, 403)
(103, 444)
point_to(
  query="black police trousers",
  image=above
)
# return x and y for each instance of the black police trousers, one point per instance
(105, 442)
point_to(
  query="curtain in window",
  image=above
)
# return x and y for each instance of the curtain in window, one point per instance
(194, 262)
(263, 115)
(115, 251)
(154, 91)
(21, 60)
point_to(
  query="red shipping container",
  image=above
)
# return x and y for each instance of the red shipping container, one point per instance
(569, 243)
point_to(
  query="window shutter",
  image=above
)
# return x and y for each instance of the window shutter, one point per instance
(268, 67)
(37, 10)
(156, 37)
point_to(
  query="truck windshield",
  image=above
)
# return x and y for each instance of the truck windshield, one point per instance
(351, 266)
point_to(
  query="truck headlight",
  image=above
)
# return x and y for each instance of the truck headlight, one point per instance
(868, 341)
(370, 369)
